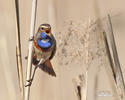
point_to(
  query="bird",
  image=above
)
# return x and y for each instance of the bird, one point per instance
(44, 49)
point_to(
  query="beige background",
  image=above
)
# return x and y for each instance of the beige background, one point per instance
(54, 12)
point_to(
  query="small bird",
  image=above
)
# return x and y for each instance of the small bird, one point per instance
(43, 50)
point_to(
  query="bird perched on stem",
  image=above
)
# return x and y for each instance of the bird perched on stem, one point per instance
(44, 50)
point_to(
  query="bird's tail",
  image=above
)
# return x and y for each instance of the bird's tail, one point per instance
(47, 67)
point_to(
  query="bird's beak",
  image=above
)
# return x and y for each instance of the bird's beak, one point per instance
(48, 32)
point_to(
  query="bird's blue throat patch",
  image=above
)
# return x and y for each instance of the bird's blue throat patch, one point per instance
(43, 35)
(45, 41)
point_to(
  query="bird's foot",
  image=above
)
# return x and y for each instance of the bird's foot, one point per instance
(26, 57)
(29, 82)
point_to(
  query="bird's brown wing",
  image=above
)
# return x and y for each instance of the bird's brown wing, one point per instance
(53, 53)
(47, 67)
(54, 48)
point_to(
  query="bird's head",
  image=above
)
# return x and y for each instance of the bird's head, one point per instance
(46, 28)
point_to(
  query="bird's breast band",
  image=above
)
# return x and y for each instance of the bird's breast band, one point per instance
(40, 49)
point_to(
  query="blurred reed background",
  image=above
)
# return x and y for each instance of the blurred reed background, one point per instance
(64, 16)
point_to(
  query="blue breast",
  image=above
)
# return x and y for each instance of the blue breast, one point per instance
(43, 35)
(45, 41)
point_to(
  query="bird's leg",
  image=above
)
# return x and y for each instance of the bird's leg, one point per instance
(30, 80)
(41, 61)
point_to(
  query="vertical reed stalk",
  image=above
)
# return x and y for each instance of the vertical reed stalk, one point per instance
(29, 67)
(18, 52)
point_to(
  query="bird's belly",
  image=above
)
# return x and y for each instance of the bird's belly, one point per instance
(42, 55)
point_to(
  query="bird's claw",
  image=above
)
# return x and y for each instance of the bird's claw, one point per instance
(26, 57)
(30, 82)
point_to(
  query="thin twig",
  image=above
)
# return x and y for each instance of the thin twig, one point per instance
(112, 65)
(84, 84)
(110, 59)
(119, 72)
(80, 84)
(77, 85)
(18, 52)
(29, 67)
(109, 55)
